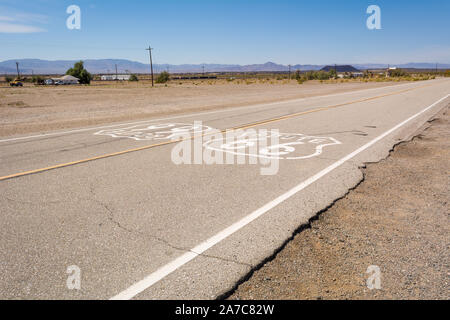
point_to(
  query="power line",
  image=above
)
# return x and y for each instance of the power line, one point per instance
(151, 62)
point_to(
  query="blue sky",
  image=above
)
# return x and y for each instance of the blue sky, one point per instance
(228, 31)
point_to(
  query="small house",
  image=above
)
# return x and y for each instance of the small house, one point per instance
(65, 80)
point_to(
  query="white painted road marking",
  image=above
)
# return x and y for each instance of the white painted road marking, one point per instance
(167, 269)
(194, 114)
(156, 131)
(293, 146)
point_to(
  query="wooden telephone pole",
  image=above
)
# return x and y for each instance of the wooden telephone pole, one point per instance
(151, 63)
(18, 73)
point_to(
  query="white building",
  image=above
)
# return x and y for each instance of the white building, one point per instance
(112, 77)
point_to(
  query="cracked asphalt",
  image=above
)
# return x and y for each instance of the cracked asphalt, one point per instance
(129, 217)
(397, 218)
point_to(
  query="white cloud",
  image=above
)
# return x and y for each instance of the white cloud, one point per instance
(5, 18)
(21, 22)
(31, 17)
(6, 27)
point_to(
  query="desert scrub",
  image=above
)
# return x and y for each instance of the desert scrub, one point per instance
(133, 77)
(163, 77)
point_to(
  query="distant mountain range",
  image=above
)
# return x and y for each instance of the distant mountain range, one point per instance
(103, 66)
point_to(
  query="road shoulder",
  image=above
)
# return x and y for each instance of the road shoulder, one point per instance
(395, 219)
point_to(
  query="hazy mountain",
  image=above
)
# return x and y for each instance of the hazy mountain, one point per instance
(36, 66)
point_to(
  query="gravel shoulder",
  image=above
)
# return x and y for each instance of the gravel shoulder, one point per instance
(397, 218)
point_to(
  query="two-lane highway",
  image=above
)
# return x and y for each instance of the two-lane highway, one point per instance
(111, 201)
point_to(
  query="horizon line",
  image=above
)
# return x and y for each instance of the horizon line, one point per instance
(236, 64)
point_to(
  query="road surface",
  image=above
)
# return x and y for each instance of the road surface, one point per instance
(110, 202)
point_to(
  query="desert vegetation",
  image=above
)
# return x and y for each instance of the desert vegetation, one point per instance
(163, 77)
(78, 71)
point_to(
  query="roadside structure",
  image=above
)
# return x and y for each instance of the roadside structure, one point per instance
(112, 77)
(65, 80)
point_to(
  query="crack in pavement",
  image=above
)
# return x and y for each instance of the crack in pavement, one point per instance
(111, 218)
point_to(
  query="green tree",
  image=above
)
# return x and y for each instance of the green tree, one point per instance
(163, 77)
(78, 71)
(133, 77)
(332, 73)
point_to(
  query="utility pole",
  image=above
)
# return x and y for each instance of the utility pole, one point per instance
(151, 62)
(17, 67)
(436, 67)
(289, 72)
(117, 77)
(203, 69)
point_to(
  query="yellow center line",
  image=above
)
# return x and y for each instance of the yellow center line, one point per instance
(258, 123)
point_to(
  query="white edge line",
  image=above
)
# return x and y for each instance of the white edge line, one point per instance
(198, 114)
(167, 269)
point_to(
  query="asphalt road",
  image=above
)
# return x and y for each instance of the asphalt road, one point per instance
(112, 202)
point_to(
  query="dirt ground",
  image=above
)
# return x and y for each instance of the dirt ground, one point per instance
(396, 219)
(34, 109)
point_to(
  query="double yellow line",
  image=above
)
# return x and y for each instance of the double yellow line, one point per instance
(254, 124)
